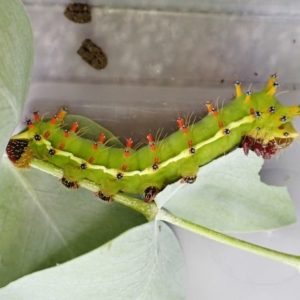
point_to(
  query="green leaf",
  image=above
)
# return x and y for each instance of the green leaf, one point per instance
(91, 130)
(228, 196)
(16, 60)
(42, 223)
(144, 263)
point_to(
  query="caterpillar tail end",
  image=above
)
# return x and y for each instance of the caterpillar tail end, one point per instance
(19, 153)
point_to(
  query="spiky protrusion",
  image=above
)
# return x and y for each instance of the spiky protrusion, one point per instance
(238, 89)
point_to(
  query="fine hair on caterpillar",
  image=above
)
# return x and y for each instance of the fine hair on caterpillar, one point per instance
(256, 121)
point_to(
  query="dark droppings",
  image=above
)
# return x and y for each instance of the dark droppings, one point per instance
(92, 54)
(78, 13)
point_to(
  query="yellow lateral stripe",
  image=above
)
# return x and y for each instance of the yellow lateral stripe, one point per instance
(183, 154)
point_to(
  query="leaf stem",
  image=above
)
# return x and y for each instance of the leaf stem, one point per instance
(148, 210)
(288, 259)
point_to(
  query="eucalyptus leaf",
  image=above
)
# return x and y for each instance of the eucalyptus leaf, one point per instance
(42, 223)
(143, 263)
(228, 196)
(16, 60)
(91, 130)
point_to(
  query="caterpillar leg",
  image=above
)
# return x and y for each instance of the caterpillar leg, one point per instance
(150, 193)
(188, 179)
(103, 197)
(69, 184)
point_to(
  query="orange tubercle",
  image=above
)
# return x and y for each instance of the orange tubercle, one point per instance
(62, 146)
(149, 138)
(62, 113)
(36, 116)
(124, 167)
(126, 152)
(209, 106)
(215, 112)
(53, 120)
(101, 138)
(29, 124)
(129, 143)
(74, 127)
(220, 123)
(66, 133)
(185, 129)
(91, 159)
(180, 122)
(151, 142)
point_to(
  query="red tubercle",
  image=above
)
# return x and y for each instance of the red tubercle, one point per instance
(53, 120)
(215, 112)
(62, 146)
(151, 142)
(252, 111)
(180, 122)
(156, 160)
(181, 125)
(36, 116)
(281, 127)
(190, 143)
(152, 146)
(67, 133)
(185, 129)
(91, 159)
(149, 138)
(47, 134)
(74, 127)
(129, 143)
(220, 123)
(126, 152)
(95, 146)
(29, 123)
(124, 167)
(101, 138)
(209, 107)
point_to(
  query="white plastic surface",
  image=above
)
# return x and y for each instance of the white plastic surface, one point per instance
(161, 64)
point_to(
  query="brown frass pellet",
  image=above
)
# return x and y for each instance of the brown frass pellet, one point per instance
(78, 13)
(92, 54)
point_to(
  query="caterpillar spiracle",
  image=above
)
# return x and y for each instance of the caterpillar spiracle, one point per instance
(257, 121)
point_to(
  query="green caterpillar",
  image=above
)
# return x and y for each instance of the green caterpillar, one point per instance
(257, 121)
